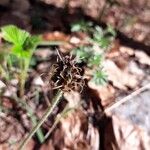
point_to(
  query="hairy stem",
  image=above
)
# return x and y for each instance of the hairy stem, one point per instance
(39, 132)
(22, 77)
(24, 66)
(44, 117)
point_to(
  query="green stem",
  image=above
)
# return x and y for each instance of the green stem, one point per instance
(22, 77)
(45, 116)
(39, 132)
(24, 66)
(63, 113)
(22, 84)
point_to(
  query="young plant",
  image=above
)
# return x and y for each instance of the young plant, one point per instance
(18, 55)
(99, 77)
(22, 48)
(103, 38)
(82, 26)
(93, 60)
(87, 55)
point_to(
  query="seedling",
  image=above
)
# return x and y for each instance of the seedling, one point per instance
(103, 38)
(99, 77)
(22, 48)
(82, 26)
(87, 55)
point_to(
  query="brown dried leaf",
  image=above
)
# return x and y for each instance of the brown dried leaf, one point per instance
(56, 36)
(120, 79)
(143, 58)
(78, 134)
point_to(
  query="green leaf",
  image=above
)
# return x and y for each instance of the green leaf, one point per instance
(17, 51)
(104, 42)
(99, 77)
(14, 35)
(83, 54)
(98, 33)
(82, 26)
(75, 28)
(23, 43)
(31, 43)
(95, 60)
(20, 53)
(111, 30)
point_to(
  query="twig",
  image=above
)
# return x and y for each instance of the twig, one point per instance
(109, 109)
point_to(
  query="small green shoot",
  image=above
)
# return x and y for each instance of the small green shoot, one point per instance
(95, 60)
(87, 55)
(22, 48)
(82, 54)
(99, 77)
(81, 26)
(97, 37)
(103, 38)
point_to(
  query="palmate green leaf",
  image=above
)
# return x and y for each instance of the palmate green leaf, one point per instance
(110, 30)
(31, 43)
(104, 42)
(23, 44)
(99, 77)
(19, 52)
(14, 35)
(83, 54)
(95, 60)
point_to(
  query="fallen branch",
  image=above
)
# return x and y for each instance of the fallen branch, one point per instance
(137, 92)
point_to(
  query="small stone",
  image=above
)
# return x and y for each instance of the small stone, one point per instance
(142, 57)
(38, 81)
(14, 82)
(2, 85)
(74, 40)
(10, 91)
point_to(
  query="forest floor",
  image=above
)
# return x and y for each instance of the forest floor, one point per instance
(127, 64)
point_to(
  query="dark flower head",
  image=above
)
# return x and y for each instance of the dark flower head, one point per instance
(66, 75)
